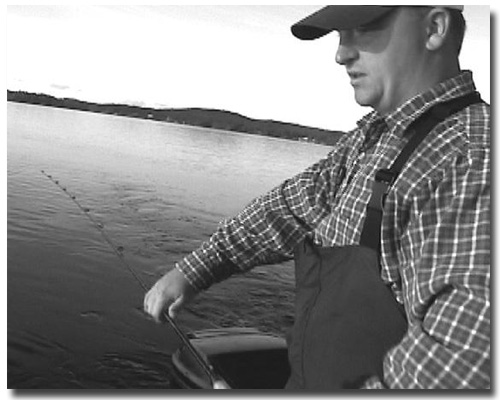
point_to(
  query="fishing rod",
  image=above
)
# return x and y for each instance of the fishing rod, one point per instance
(217, 381)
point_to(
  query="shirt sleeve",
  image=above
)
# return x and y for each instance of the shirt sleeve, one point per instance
(269, 228)
(447, 345)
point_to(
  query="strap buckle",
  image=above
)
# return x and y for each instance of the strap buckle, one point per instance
(384, 179)
(386, 176)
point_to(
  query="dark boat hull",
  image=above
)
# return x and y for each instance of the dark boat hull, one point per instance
(244, 358)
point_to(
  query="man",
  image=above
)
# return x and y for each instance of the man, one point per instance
(434, 246)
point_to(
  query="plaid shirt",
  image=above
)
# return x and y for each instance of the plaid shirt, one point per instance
(435, 236)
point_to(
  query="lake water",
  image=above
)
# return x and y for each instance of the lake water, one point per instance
(75, 316)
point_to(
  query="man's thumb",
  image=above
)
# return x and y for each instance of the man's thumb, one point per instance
(175, 307)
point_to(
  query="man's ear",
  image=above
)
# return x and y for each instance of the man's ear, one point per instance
(438, 26)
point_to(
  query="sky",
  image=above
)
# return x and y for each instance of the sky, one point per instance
(237, 58)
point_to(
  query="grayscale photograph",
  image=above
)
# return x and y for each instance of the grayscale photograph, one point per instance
(247, 197)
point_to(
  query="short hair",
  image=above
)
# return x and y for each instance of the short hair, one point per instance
(458, 26)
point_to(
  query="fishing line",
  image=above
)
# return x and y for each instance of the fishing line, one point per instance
(217, 382)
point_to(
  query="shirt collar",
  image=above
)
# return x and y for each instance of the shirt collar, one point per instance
(403, 116)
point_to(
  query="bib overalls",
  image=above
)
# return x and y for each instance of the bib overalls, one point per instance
(346, 317)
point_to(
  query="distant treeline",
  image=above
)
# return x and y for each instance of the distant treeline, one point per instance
(207, 118)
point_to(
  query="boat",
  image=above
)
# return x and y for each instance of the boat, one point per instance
(244, 358)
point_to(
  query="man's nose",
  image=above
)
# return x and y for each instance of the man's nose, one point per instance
(346, 51)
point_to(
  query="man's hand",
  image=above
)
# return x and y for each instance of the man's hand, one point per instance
(170, 292)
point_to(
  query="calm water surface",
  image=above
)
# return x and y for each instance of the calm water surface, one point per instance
(75, 315)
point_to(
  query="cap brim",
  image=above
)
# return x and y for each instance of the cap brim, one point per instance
(332, 18)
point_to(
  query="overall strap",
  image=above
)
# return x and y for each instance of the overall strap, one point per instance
(385, 178)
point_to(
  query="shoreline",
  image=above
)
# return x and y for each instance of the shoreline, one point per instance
(197, 117)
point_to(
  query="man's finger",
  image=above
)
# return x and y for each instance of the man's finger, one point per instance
(146, 302)
(158, 306)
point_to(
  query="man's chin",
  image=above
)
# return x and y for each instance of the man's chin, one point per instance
(363, 102)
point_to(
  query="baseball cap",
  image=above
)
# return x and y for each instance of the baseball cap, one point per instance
(332, 18)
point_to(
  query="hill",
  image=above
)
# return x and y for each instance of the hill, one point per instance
(208, 118)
